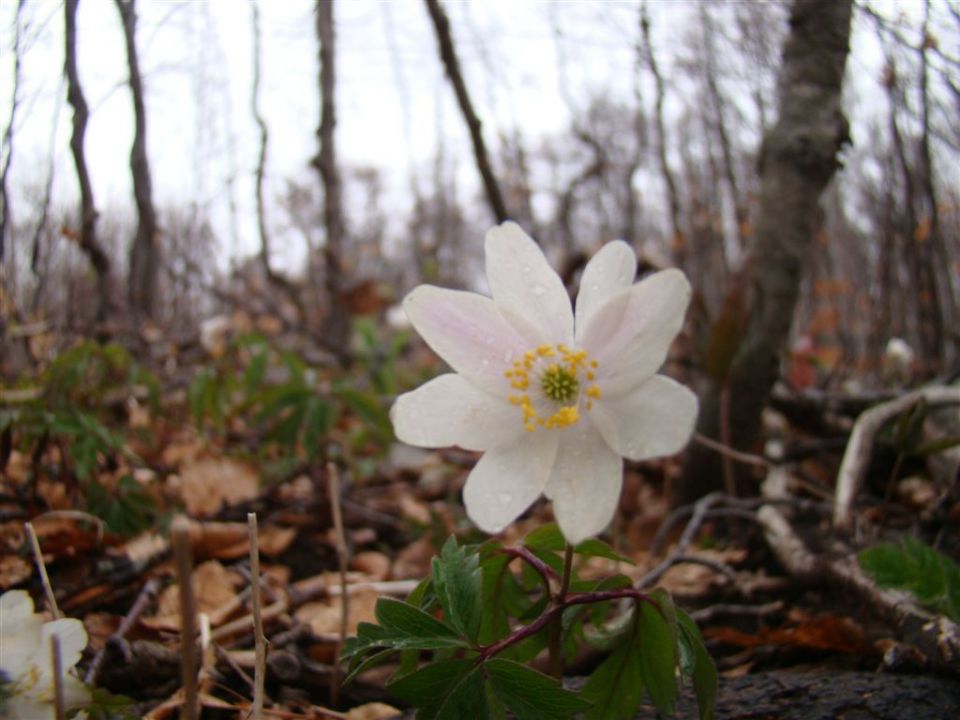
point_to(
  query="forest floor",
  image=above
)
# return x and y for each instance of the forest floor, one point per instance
(100, 464)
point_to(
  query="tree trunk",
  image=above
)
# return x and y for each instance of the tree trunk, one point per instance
(144, 258)
(337, 325)
(448, 55)
(798, 158)
(937, 255)
(88, 235)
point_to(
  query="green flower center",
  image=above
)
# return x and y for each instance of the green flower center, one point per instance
(559, 384)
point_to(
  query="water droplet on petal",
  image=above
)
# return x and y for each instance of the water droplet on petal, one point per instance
(507, 356)
(526, 269)
(504, 498)
(539, 290)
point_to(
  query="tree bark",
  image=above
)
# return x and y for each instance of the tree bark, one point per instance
(144, 257)
(448, 55)
(88, 213)
(798, 158)
(337, 325)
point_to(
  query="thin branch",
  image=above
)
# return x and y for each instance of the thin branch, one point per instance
(729, 452)
(42, 569)
(56, 661)
(183, 560)
(343, 559)
(451, 63)
(260, 642)
(147, 595)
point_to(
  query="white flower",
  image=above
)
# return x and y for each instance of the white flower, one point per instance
(554, 399)
(26, 659)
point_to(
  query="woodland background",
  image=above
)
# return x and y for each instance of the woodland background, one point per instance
(211, 340)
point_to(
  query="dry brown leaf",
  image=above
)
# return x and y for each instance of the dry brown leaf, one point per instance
(13, 570)
(324, 616)
(100, 626)
(414, 560)
(372, 563)
(372, 711)
(414, 510)
(215, 588)
(210, 483)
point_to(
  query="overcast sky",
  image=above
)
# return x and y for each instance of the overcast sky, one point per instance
(196, 58)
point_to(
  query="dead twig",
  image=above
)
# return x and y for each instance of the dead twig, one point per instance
(260, 642)
(729, 452)
(183, 560)
(56, 660)
(343, 558)
(147, 595)
(42, 569)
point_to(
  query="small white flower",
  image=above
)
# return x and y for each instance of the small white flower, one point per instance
(26, 659)
(553, 399)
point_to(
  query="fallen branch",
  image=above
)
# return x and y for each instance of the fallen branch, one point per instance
(937, 637)
(860, 446)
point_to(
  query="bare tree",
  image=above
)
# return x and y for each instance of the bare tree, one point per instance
(677, 240)
(88, 213)
(6, 145)
(448, 55)
(716, 116)
(337, 326)
(937, 255)
(144, 255)
(272, 276)
(798, 158)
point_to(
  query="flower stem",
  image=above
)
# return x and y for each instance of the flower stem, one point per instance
(556, 627)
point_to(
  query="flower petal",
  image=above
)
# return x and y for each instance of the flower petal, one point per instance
(26, 707)
(20, 631)
(525, 286)
(450, 410)
(609, 272)
(630, 334)
(467, 331)
(508, 479)
(654, 419)
(585, 483)
(73, 639)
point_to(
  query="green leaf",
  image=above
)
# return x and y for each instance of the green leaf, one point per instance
(530, 694)
(616, 686)
(933, 578)
(256, 371)
(431, 682)
(657, 644)
(457, 580)
(405, 620)
(549, 538)
(699, 665)
(449, 690)
(358, 666)
(545, 537)
(369, 409)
